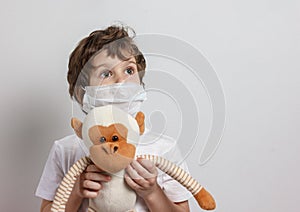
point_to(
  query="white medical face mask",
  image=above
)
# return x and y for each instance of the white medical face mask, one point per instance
(127, 96)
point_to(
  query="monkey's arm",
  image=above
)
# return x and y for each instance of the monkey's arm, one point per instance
(203, 197)
(65, 188)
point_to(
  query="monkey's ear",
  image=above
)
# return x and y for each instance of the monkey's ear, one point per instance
(77, 126)
(140, 117)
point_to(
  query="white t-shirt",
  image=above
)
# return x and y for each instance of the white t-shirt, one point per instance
(66, 151)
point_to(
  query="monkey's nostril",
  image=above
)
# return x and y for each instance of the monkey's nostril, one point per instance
(115, 149)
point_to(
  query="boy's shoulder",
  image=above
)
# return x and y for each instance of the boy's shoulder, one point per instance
(67, 138)
(70, 143)
(156, 137)
(156, 143)
(66, 141)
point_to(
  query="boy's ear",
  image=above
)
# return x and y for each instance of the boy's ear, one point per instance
(77, 126)
(140, 117)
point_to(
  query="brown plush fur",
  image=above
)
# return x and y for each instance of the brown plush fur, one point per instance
(205, 200)
(140, 117)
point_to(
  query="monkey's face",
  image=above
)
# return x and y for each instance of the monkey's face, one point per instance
(110, 150)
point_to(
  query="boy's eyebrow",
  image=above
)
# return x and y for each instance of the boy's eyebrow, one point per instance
(127, 62)
(105, 65)
(98, 66)
(131, 62)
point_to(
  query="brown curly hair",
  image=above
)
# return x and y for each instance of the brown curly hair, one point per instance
(114, 39)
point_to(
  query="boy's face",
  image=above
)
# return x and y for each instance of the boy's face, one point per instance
(109, 70)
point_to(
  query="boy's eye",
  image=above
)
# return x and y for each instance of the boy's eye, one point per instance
(105, 74)
(129, 70)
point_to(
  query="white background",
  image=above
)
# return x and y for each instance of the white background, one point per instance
(254, 47)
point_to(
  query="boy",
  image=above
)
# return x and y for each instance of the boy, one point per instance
(105, 60)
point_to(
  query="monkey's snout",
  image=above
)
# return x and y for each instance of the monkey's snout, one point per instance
(114, 148)
(110, 149)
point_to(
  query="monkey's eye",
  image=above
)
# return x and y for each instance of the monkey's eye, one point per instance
(115, 138)
(102, 139)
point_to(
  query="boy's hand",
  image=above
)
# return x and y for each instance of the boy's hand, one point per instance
(141, 176)
(88, 184)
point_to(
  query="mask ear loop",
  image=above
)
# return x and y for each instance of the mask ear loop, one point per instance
(83, 100)
(82, 81)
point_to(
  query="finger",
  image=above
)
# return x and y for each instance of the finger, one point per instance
(90, 194)
(131, 183)
(147, 164)
(93, 168)
(91, 185)
(142, 171)
(132, 173)
(96, 177)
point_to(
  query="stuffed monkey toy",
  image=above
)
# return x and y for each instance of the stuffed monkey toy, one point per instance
(111, 135)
